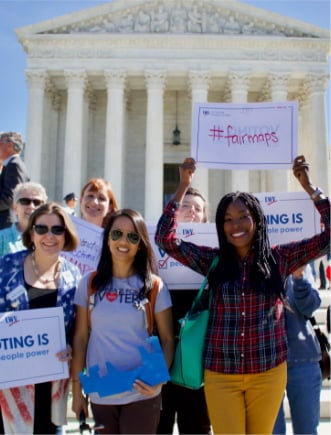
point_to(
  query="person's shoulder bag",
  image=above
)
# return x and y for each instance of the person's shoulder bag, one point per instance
(325, 349)
(187, 368)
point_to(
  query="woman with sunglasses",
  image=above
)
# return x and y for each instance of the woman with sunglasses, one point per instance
(26, 198)
(97, 201)
(122, 282)
(40, 278)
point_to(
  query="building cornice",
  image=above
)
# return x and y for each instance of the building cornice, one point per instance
(176, 47)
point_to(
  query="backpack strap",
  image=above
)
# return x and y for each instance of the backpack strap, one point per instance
(150, 305)
(90, 298)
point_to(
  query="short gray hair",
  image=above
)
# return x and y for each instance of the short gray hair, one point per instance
(14, 138)
(32, 186)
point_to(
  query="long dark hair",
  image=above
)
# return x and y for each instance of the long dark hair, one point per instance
(265, 275)
(144, 262)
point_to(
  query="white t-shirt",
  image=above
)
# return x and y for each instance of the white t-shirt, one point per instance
(118, 328)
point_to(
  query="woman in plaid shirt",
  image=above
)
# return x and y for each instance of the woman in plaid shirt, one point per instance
(245, 348)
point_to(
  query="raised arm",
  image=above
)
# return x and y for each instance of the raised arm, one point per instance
(186, 174)
(301, 172)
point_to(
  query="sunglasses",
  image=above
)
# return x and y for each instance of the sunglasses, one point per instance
(28, 201)
(57, 230)
(133, 238)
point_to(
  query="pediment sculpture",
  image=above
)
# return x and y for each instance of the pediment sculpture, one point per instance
(179, 17)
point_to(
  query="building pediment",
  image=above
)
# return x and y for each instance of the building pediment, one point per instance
(176, 17)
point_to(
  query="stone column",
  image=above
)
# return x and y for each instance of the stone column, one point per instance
(262, 175)
(316, 86)
(278, 179)
(52, 155)
(199, 84)
(239, 82)
(114, 147)
(72, 165)
(304, 134)
(89, 161)
(155, 81)
(304, 139)
(34, 132)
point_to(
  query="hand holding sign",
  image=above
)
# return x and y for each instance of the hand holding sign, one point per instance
(245, 136)
(30, 341)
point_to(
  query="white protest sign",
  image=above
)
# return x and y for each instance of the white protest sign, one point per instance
(245, 136)
(29, 340)
(174, 273)
(290, 216)
(87, 254)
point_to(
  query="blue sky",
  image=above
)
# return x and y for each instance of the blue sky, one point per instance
(19, 13)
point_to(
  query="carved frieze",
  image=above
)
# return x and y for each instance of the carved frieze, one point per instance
(189, 16)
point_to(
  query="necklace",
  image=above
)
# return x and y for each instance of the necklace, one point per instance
(39, 275)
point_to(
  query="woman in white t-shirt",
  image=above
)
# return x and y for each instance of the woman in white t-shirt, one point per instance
(118, 329)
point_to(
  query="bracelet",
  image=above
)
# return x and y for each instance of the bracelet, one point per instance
(316, 193)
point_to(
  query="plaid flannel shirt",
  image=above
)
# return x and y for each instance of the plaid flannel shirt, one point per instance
(246, 331)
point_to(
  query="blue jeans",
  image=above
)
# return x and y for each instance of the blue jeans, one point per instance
(303, 389)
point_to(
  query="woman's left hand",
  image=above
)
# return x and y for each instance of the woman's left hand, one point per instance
(65, 355)
(146, 390)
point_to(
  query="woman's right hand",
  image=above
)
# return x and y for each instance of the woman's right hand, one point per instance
(186, 171)
(79, 402)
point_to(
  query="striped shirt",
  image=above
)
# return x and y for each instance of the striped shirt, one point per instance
(246, 330)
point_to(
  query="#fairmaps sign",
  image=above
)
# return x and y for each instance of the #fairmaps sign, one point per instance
(245, 136)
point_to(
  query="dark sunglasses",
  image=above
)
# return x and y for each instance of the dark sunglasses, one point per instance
(57, 230)
(28, 201)
(133, 238)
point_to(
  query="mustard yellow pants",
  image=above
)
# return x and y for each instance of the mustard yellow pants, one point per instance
(245, 404)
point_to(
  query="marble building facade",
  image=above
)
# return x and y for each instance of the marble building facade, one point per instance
(108, 86)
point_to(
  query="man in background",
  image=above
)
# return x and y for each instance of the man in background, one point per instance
(13, 172)
(70, 203)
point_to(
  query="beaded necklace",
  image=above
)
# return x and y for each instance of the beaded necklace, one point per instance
(38, 275)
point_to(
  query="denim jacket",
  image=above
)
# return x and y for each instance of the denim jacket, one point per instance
(303, 300)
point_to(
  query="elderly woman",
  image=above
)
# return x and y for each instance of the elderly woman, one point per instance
(26, 198)
(45, 279)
